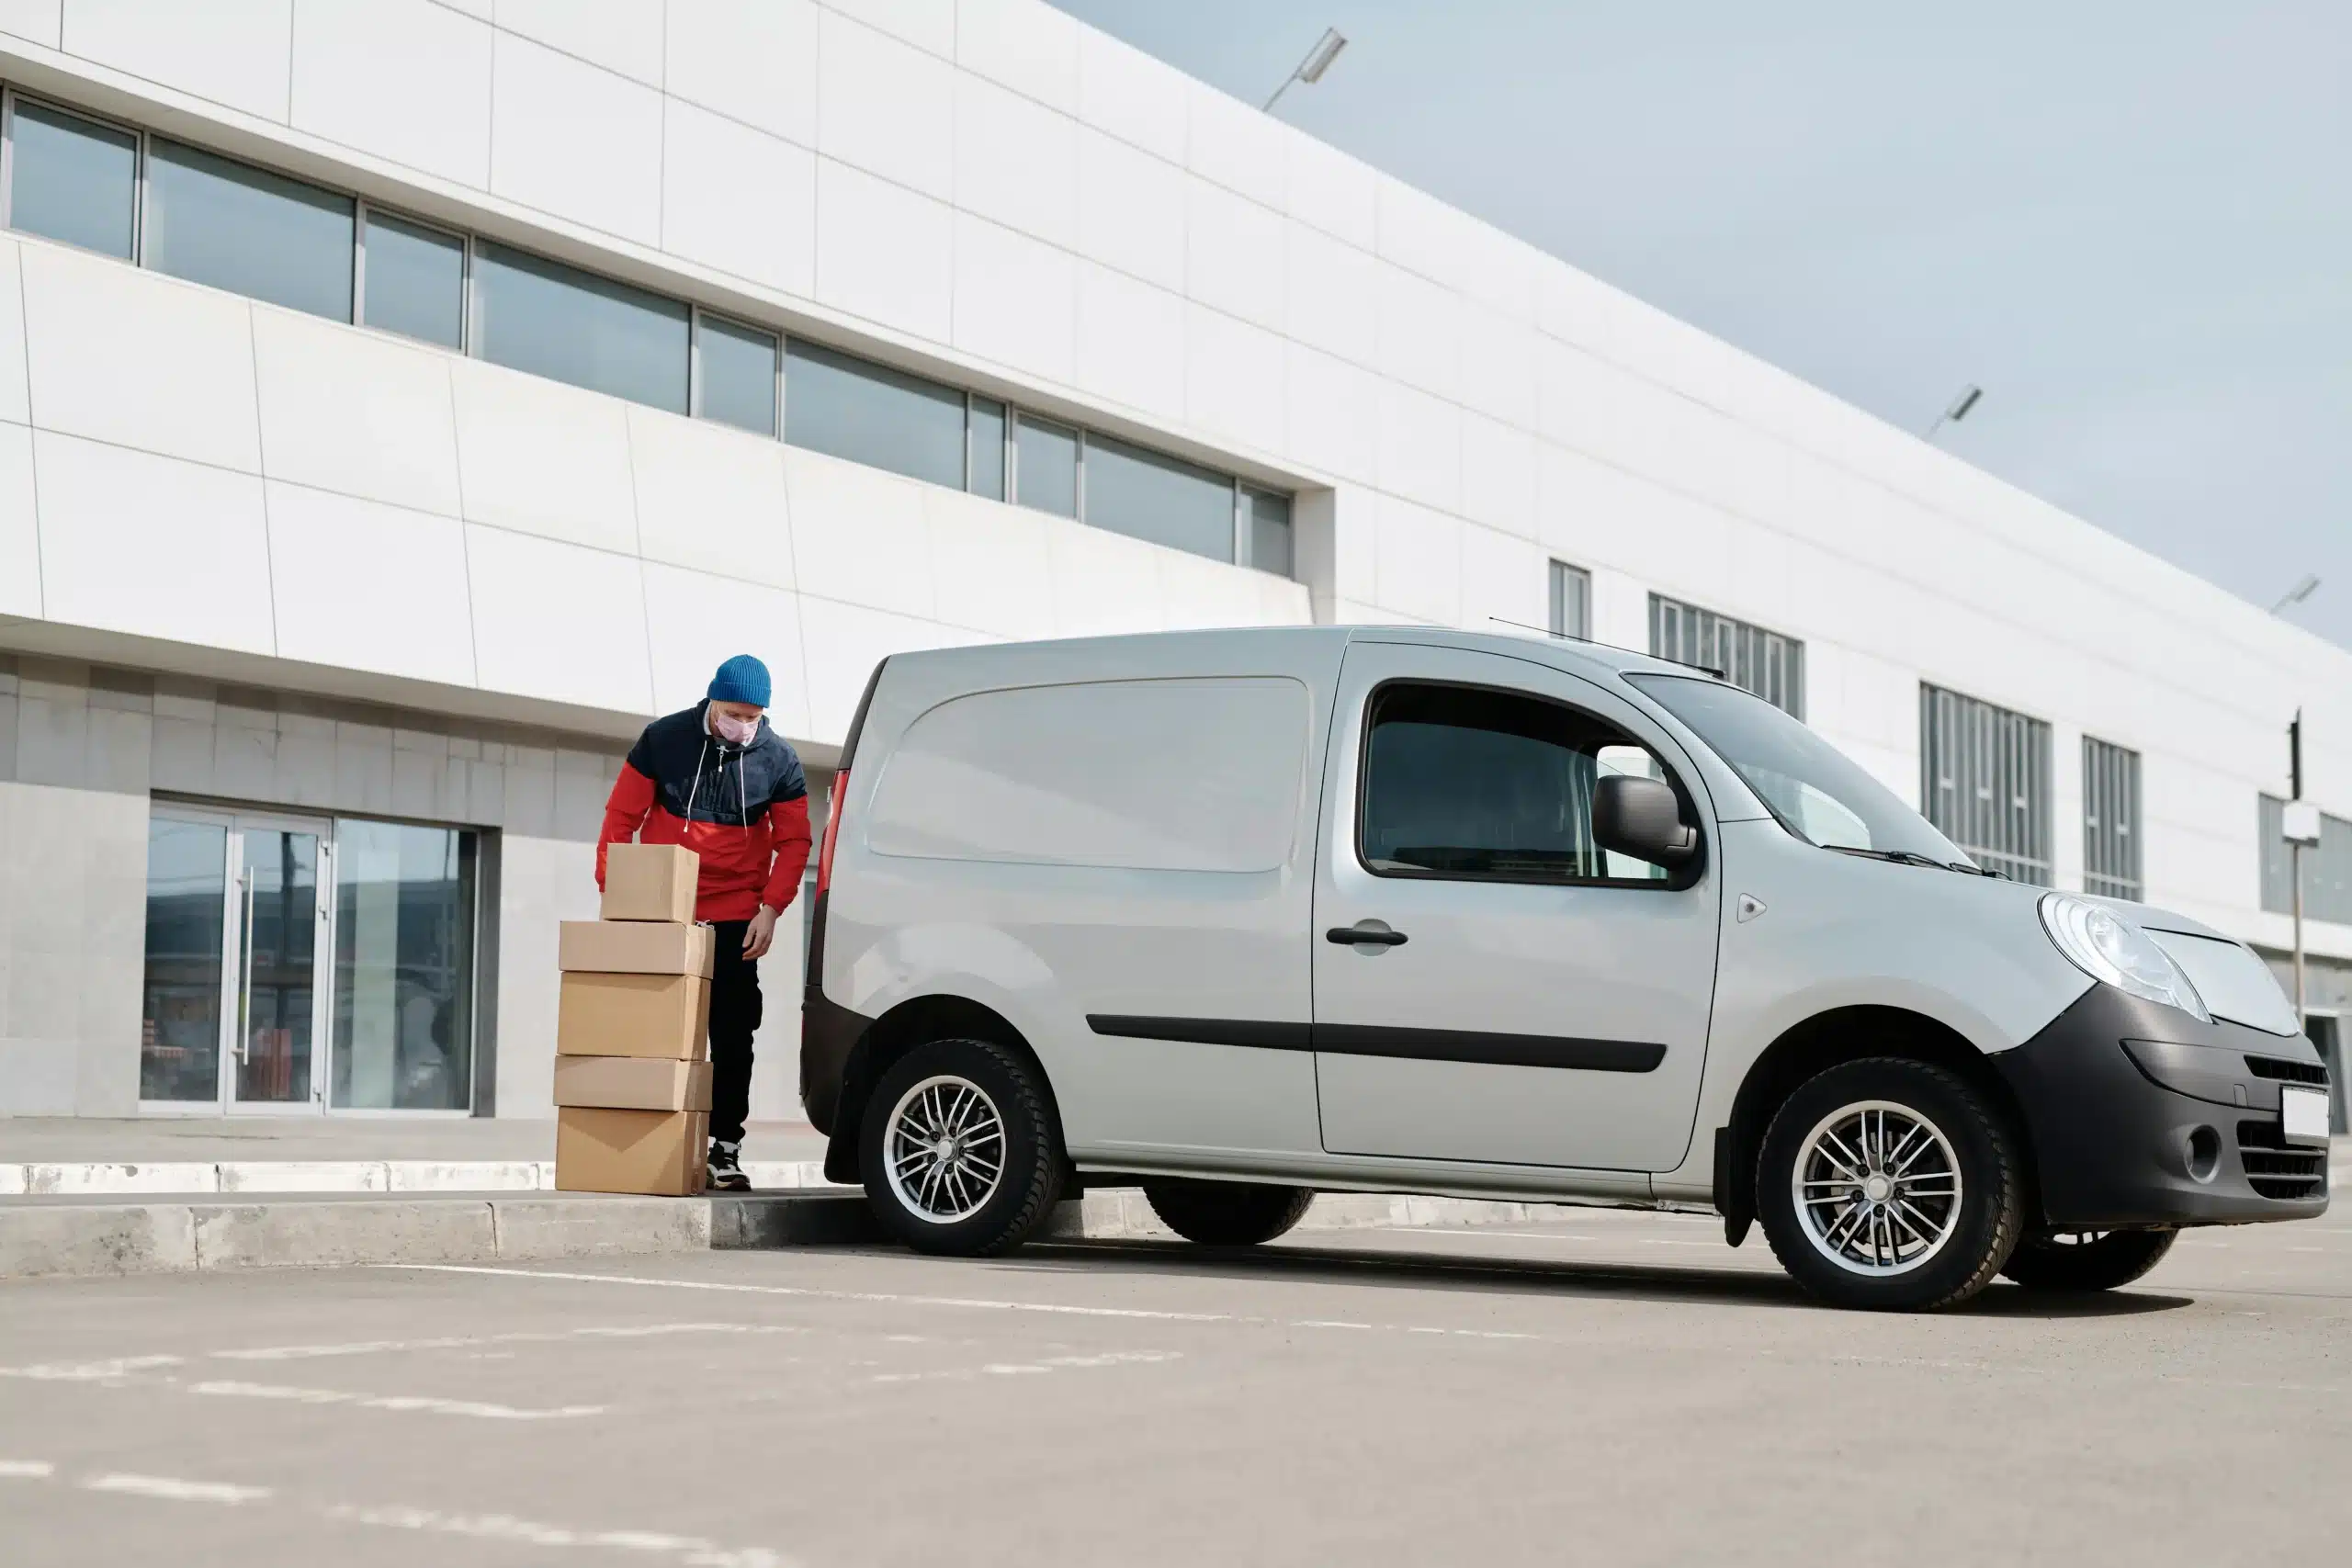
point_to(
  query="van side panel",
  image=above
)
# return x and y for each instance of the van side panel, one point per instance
(1108, 829)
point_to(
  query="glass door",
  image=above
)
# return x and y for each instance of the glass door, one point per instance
(280, 912)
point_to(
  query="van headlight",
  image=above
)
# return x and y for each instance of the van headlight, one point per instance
(2106, 946)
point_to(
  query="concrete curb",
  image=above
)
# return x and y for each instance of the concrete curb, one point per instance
(66, 1238)
(78, 1237)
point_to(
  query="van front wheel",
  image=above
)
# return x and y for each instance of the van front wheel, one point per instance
(1226, 1214)
(1890, 1184)
(959, 1149)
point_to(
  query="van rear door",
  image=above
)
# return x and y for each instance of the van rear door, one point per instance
(1490, 986)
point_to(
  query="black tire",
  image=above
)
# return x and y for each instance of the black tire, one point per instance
(2087, 1260)
(1970, 1246)
(1027, 1183)
(1226, 1214)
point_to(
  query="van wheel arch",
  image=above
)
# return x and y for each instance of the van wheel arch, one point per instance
(911, 1024)
(1822, 1042)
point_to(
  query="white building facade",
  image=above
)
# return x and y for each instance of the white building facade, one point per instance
(403, 401)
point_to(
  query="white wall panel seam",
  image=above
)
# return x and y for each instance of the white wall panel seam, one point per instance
(636, 528)
(465, 538)
(32, 448)
(261, 450)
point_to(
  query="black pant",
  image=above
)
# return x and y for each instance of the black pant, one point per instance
(734, 1019)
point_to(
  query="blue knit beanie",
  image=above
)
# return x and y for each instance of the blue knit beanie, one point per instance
(742, 679)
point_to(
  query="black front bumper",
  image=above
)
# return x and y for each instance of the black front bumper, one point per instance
(2141, 1116)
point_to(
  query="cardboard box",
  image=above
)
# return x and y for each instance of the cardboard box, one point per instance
(650, 882)
(635, 947)
(632, 1083)
(657, 1153)
(633, 1015)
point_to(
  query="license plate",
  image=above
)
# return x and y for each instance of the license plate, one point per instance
(2302, 1114)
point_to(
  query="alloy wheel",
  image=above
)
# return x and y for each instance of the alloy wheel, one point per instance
(944, 1145)
(1877, 1187)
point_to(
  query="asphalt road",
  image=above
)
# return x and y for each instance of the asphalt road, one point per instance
(1614, 1388)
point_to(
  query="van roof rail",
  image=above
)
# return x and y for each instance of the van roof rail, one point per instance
(1618, 647)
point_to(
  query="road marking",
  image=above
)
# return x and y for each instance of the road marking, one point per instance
(25, 1469)
(893, 1299)
(177, 1491)
(464, 1342)
(90, 1371)
(1023, 1369)
(396, 1402)
(1552, 1235)
(690, 1549)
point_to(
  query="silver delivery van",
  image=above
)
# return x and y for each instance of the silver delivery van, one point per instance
(1240, 916)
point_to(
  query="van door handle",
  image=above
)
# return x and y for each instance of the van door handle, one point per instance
(1365, 933)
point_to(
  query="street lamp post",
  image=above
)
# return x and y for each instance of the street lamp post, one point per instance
(2299, 824)
(1965, 399)
(1310, 70)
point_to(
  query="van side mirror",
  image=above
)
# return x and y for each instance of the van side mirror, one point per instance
(1640, 817)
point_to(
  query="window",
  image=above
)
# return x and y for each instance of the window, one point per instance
(2110, 821)
(1751, 658)
(248, 230)
(1818, 792)
(1045, 466)
(2327, 866)
(984, 469)
(872, 414)
(1985, 782)
(1270, 535)
(1463, 782)
(1163, 500)
(738, 366)
(231, 225)
(73, 179)
(568, 325)
(1571, 601)
(413, 281)
(403, 967)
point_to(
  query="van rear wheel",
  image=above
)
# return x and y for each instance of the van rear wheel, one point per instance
(2087, 1260)
(1892, 1185)
(960, 1153)
(1226, 1214)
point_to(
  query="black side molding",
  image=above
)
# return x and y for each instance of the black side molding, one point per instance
(1205, 1030)
(1411, 1045)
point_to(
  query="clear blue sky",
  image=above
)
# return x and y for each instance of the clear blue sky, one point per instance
(2129, 220)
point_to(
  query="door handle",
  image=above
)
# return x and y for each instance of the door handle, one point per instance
(1368, 935)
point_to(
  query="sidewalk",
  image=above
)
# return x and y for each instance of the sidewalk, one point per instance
(45, 1156)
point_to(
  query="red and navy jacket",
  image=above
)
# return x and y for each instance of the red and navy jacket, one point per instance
(744, 809)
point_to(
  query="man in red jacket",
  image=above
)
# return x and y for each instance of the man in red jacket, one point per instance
(718, 780)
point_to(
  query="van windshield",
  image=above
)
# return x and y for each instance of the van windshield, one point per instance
(1818, 792)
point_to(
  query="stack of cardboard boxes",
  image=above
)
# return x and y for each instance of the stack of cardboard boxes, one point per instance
(632, 1069)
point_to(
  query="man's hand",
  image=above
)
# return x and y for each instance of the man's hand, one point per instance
(760, 935)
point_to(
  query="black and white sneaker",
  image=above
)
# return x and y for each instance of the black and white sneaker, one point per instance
(725, 1170)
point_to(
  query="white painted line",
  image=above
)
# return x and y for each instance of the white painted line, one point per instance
(889, 1298)
(690, 1549)
(26, 1470)
(89, 1371)
(1483, 1234)
(416, 1403)
(177, 1491)
(1023, 1369)
(472, 1341)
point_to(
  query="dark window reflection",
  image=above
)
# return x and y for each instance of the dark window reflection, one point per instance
(403, 967)
(179, 1032)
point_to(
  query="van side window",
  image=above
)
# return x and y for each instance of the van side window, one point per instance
(1466, 781)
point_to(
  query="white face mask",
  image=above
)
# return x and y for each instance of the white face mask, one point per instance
(734, 731)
